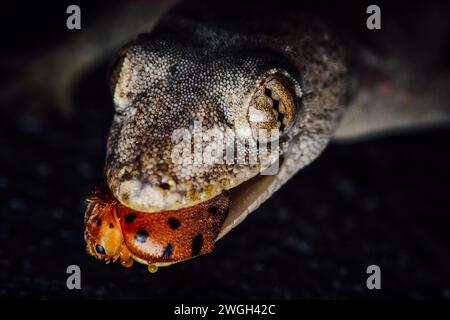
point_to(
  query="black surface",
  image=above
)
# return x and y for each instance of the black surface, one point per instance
(383, 202)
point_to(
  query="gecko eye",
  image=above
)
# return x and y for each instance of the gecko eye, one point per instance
(99, 248)
(273, 105)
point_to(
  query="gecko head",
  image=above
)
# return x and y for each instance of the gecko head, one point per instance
(190, 121)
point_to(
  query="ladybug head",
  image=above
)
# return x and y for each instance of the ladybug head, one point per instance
(102, 233)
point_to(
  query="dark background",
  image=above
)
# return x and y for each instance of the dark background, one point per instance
(383, 201)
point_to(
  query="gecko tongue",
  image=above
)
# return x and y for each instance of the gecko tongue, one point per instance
(171, 236)
(159, 237)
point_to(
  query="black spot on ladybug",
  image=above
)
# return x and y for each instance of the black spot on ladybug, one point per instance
(141, 236)
(99, 248)
(173, 223)
(213, 209)
(167, 252)
(111, 226)
(129, 218)
(197, 243)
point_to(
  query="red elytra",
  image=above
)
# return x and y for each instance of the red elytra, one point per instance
(113, 231)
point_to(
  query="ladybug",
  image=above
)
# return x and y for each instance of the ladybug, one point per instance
(114, 232)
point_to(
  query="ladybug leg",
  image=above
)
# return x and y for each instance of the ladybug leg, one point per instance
(125, 257)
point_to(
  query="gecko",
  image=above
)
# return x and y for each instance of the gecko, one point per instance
(311, 73)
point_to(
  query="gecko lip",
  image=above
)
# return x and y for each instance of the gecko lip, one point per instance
(151, 195)
(140, 194)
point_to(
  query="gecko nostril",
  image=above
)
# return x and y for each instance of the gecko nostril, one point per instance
(164, 186)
